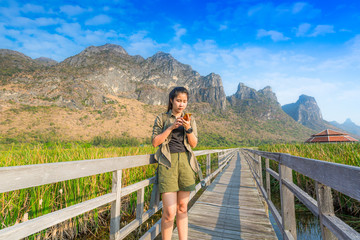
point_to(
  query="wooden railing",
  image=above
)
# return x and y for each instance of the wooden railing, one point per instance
(20, 177)
(327, 176)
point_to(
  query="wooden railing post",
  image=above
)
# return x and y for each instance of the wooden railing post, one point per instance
(140, 203)
(260, 171)
(287, 203)
(268, 186)
(219, 156)
(208, 164)
(326, 207)
(116, 206)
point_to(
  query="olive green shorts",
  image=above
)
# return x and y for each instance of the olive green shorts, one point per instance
(179, 177)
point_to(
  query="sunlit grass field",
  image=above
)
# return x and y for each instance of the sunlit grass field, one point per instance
(21, 205)
(345, 153)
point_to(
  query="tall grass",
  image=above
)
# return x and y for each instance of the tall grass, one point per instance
(21, 205)
(346, 153)
(18, 206)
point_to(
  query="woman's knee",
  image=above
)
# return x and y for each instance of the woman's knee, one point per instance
(182, 208)
(169, 213)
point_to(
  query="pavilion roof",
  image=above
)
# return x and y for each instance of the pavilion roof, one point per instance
(329, 135)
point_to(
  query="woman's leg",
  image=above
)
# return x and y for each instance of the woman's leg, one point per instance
(169, 200)
(181, 214)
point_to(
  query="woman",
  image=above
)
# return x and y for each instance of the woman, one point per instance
(177, 164)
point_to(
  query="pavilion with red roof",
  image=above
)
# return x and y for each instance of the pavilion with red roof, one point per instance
(330, 136)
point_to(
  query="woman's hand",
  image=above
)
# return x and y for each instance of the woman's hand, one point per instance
(186, 124)
(179, 122)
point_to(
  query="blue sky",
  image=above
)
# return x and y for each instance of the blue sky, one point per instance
(296, 47)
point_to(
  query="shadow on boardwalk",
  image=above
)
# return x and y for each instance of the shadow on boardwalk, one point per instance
(230, 208)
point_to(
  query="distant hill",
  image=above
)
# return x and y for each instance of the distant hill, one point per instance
(306, 111)
(46, 61)
(105, 86)
(348, 126)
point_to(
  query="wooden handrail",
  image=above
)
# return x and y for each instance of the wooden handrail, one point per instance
(20, 177)
(327, 175)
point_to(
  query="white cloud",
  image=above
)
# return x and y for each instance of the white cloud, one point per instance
(70, 30)
(298, 7)
(289, 73)
(72, 10)
(179, 32)
(32, 8)
(223, 27)
(322, 30)
(47, 21)
(303, 29)
(99, 20)
(274, 35)
(206, 45)
(9, 12)
(140, 44)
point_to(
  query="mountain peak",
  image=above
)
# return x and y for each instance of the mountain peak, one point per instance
(161, 54)
(8, 52)
(305, 98)
(107, 47)
(306, 111)
(45, 61)
(348, 121)
(94, 55)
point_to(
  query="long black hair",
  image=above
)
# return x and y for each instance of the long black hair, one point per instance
(174, 93)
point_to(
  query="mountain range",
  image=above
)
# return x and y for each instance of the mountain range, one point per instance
(105, 91)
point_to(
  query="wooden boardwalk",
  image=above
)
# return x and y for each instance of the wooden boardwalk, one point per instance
(230, 208)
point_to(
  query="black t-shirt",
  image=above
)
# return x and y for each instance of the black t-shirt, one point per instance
(176, 143)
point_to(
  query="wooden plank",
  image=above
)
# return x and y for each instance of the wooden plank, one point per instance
(19, 177)
(116, 206)
(152, 232)
(287, 202)
(326, 207)
(35, 225)
(339, 228)
(140, 203)
(230, 208)
(343, 178)
(305, 198)
(267, 176)
(136, 186)
(273, 173)
(260, 171)
(14, 178)
(208, 164)
(269, 155)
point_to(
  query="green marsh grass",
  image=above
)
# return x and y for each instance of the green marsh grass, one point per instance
(20, 205)
(346, 208)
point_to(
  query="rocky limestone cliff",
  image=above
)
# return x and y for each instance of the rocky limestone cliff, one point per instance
(13, 62)
(96, 93)
(88, 77)
(307, 112)
(263, 103)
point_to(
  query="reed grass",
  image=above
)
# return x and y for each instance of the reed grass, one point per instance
(21, 205)
(343, 153)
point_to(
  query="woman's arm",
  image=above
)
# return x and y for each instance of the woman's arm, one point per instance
(192, 139)
(160, 138)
